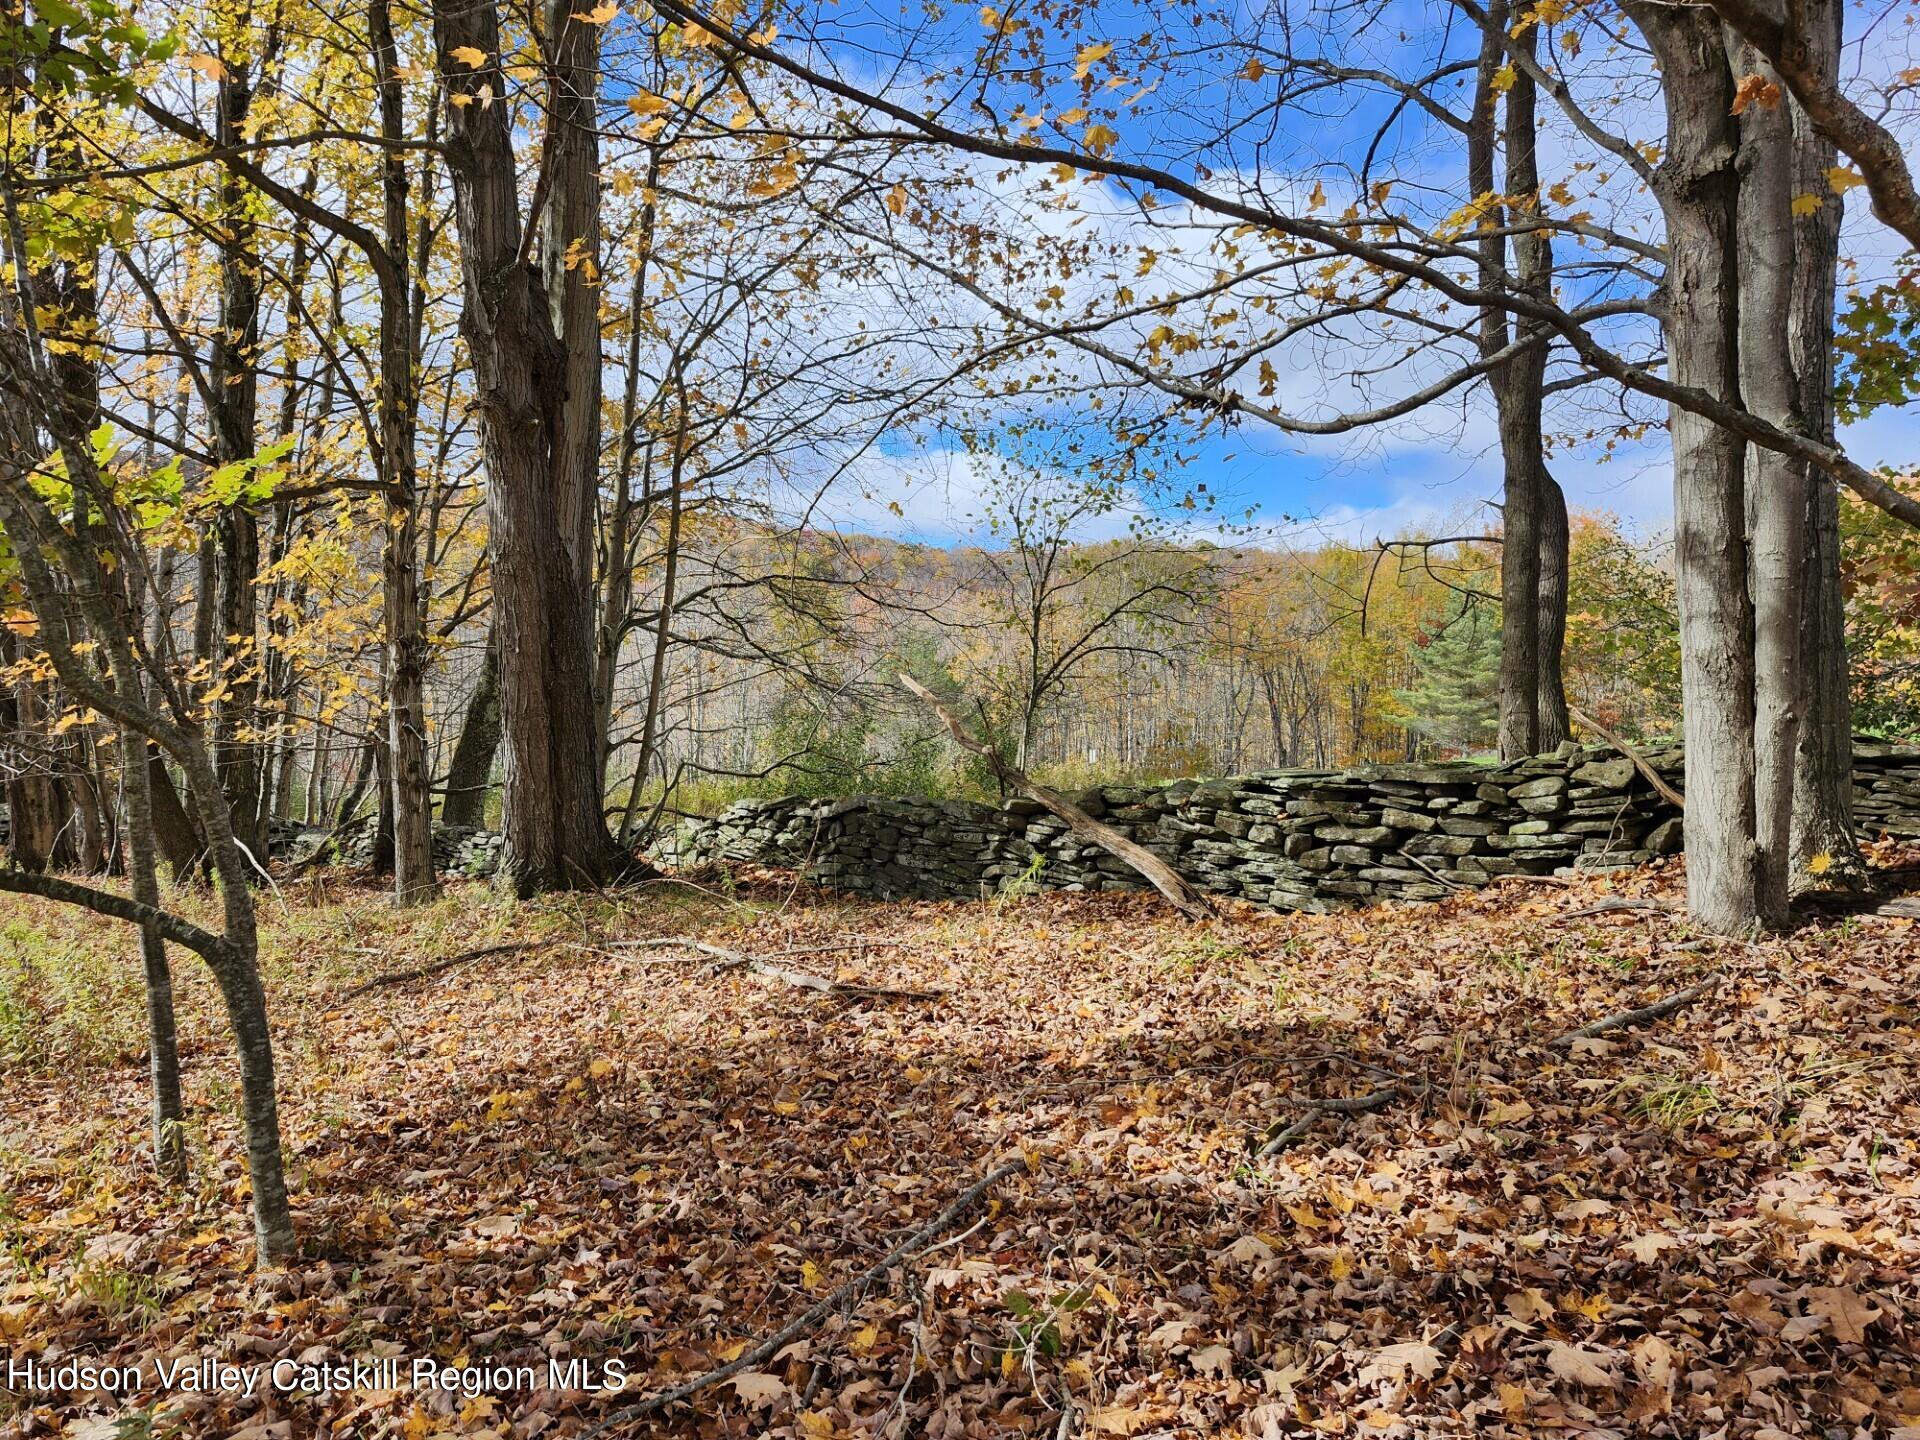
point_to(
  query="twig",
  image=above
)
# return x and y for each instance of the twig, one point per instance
(1347, 1105)
(1659, 1010)
(1613, 903)
(1640, 762)
(421, 972)
(816, 1314)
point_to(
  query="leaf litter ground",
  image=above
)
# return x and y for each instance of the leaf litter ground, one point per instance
(579, 1150)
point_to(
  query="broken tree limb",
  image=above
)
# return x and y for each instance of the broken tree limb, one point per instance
(1613, 903)
(1640, 762)
(421, 972)
(1179, 892)
(726, 959)
(816, 1315)
(1659, 1010)
(1450, 884)
(1346, 1105)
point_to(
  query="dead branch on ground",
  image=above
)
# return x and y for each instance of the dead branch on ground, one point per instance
(817, 1314)
(421, 972)
(726, 959)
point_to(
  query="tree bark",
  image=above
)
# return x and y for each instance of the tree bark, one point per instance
(1697, 185)
(1776, 486)
(1550, 694)
(470, 771)
(1825, 849)
(411, 799)
(234, 382)
(539, 472)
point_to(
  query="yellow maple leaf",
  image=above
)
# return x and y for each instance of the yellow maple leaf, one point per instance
(470, 56)
(1820, 864)
(897, 199)
(1840, 179)
(1089, 56)
(1806, 204)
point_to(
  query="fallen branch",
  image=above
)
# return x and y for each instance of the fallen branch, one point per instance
(1450, 884)
(1659, 1010)
(726, 959)
(1640, 762)
(814, 1316)
(1613, 903)
(421, 972)
(1346, 1105)
(326, 844)
(1908, 908)
(1177, 889)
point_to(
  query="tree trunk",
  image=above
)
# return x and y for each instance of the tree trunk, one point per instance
(411, 798)
(1697, 187)
(1521, 385)
(1519, 439)
(540, 473)
(470, 771)
(1825, 849)
(234, 381)
(163, 1043)
(1550, 694)
(1776, 487)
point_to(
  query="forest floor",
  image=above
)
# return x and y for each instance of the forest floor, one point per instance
(1705, 1225)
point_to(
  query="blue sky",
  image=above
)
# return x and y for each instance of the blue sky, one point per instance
(1436, 470)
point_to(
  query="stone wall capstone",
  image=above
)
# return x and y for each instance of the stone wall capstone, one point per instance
(1287, 839)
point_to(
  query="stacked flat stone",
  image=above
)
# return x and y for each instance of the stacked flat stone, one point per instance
(1287, 839)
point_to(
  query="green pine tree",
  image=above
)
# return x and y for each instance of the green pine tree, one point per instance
(1454, 700)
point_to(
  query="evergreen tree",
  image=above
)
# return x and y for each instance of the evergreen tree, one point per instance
(1453, 702)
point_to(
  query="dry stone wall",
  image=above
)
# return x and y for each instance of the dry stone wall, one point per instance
(1289, 839)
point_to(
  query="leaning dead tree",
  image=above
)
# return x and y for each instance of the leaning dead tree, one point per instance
(1163, 877)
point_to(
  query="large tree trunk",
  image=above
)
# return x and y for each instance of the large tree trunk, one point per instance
(1825, 847)
(1776, 487)
(411, 799)
(234, 381)
(1698, 189)
(539, 470)
(470, 771)
(1514, 384)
